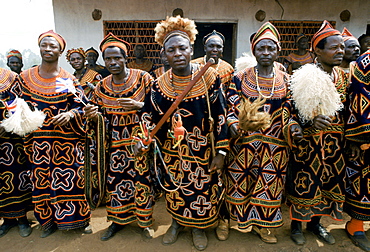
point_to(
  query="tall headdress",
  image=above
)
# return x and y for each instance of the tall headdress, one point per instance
(58, 37)
(175, 26)
(77, 50)
(266, 31)
(214, 34)
(347, 35)
(14, 53)
(111, 40)
(326, 30)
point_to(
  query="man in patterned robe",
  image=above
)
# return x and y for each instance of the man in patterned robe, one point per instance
(56, 150)
(258, 161)
(191, 185)
(316, 176)
(119, 97)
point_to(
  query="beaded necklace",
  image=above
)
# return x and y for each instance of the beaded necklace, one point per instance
(273, 84)
(171, 80)
(127, 70)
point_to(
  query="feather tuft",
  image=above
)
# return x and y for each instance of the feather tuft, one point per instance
(250, 119)
(24, 120)
(314, 93)
(247, 60)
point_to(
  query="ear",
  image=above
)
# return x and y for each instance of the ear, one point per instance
(318, 51)
(205, 48)
(192, 50)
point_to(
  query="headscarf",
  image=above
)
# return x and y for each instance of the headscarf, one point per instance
(14, 53)
(326, 30)
(77, 50)
(213, 34)
(58, 37)
(347, 35)
(111, 40)
(266, 31)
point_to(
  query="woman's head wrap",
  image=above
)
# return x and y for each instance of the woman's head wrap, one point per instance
(111, 40)
(58, 37)
(14, 53)
(266, 31)
(326, 30)
(175, 26)
(77, 50)
(213, 34)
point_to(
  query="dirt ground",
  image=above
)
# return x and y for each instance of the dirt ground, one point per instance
(130, 238)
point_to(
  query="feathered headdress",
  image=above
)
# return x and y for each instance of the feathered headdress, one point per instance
(175, 26)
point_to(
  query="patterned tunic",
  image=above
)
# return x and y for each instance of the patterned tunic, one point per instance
(317, 171)
(146, 66)
(258, 160)
(224, 69)
(91, 76)
(128, 184)
(191, 191)
(302, 59)
(15, 184)
(158, 72)
(357, 203)
(56, 153)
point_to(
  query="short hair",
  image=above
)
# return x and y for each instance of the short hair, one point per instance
(362, 37)
(120, 49)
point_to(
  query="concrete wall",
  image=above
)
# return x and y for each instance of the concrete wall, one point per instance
(74, 21)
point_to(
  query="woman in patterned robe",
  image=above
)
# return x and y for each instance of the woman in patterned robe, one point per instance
(56, 150)
(16, 187)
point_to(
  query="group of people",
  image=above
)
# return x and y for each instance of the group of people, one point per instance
(217, 145)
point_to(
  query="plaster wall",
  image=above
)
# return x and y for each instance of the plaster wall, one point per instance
(74, 21)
